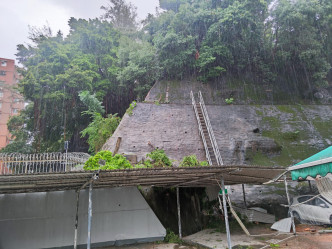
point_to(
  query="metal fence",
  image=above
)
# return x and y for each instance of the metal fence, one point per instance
(16, 163)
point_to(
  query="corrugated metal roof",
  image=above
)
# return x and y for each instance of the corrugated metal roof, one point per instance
(283, 225)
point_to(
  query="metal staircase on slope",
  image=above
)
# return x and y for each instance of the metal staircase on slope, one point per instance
(205, 129)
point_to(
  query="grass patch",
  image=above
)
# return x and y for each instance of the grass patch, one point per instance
(258, 158)
(259, 113)
(290, 152)
(323, 127)
(286, 109)
(291, 136)
(291, 146)
(171, 237)
(273, 122)
(219, 225)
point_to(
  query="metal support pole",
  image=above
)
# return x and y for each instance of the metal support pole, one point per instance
(225, 214)
(179, 211)
(288, 200)
(76, 218)
(89, 216)
(244, 196)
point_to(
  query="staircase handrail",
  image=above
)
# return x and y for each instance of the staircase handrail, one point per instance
(200, 128)
(210, 130)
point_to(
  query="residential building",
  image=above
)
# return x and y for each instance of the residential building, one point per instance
(11, 102)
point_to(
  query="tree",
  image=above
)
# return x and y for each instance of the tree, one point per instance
(57, 70)
(120, 14)
(299, 42)
(99, 129)
(139, 66)
(18, 126)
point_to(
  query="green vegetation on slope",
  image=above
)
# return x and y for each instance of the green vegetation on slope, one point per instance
(118, 61)
(157, 158)
(292, 145)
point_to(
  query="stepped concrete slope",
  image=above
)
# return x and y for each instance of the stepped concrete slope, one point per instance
(46, 220)
(170, 127)
(264, 135)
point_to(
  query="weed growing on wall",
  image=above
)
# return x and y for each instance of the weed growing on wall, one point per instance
(229, 101)
(131, 108)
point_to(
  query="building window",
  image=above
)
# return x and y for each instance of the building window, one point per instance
(0, 105)
(1, 94)
(4, 63)
(2, 83)
(15, 111)
(2, 72)
(16, 100)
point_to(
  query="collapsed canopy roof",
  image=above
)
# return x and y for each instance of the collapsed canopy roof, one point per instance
(318, 164)
(158, 177)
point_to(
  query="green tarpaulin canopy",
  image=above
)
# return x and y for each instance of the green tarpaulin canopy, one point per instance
(318, 164)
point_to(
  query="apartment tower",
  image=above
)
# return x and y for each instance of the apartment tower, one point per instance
(11, 102)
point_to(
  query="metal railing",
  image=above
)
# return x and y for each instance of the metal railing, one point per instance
(210, 130)
(200, 128)
(16, 163)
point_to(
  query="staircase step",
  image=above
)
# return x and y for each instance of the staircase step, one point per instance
(205, 133)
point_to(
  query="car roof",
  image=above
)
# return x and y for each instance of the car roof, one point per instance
(300, 196)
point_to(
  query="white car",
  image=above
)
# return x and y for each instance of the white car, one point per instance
(316, 211)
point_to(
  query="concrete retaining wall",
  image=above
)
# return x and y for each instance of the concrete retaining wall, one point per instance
(172, 128)
(46, 220)
(261, 135)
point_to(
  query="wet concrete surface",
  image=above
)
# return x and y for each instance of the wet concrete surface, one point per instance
(154, 246)
(262, 237)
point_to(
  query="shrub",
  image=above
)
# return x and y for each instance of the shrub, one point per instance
(204, 163)
(111, 162)
(192, 161)
(229, 101)
(131, 108)
(189, 161)
(158, 159)
(99, 130)
(171, 237)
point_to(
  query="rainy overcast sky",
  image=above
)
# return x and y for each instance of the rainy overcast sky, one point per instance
(16, 15)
